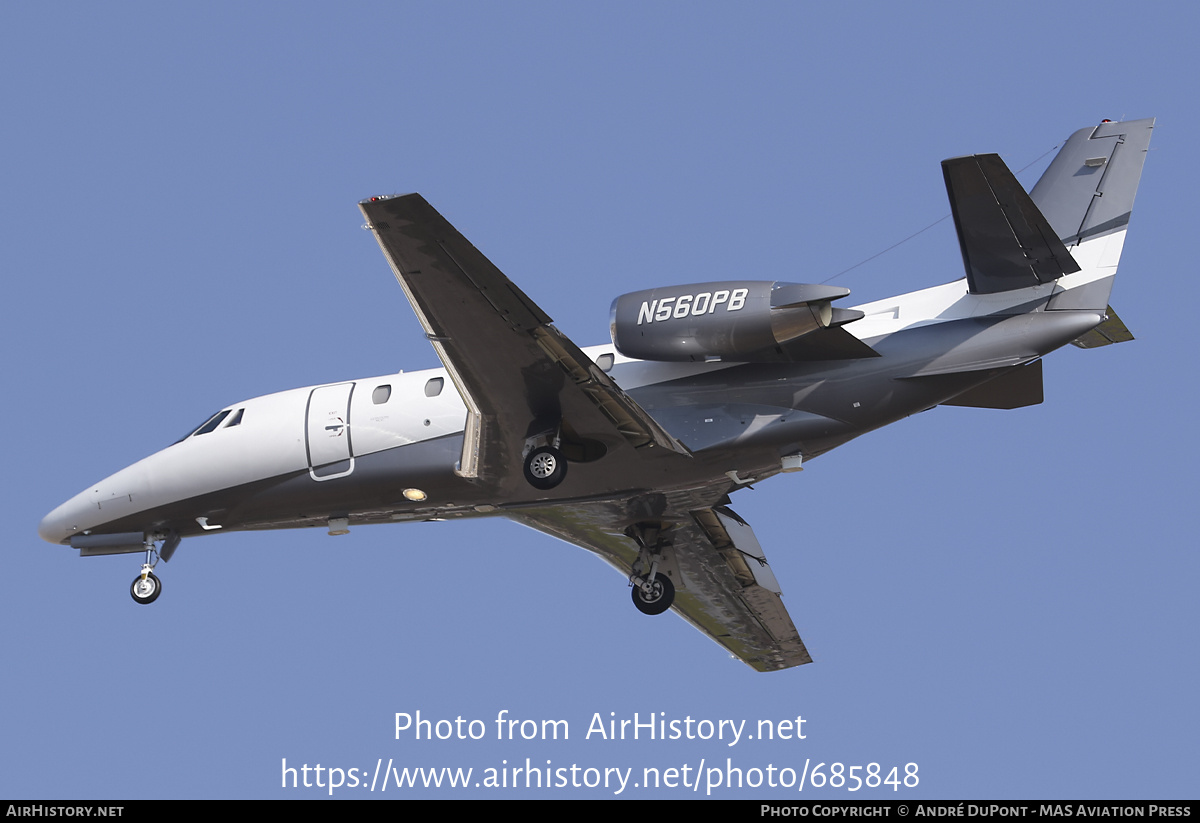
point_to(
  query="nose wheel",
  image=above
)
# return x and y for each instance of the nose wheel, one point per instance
(146, 587)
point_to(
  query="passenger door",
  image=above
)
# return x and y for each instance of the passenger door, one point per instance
(330, 452)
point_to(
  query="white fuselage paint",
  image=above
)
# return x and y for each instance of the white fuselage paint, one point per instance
(278, 433)
(289, 432)
(276, 436)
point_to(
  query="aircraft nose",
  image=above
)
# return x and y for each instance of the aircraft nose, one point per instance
(58, 526)
(98, 506)
(50, 528)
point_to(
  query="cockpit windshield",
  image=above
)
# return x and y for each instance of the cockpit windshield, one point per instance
(212, 423)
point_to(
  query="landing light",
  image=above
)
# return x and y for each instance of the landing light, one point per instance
(415, 495)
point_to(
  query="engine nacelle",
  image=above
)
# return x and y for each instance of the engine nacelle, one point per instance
(731, 320)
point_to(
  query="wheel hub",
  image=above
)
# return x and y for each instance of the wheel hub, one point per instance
(543, 465)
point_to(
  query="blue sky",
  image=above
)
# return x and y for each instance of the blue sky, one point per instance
(1006, 599)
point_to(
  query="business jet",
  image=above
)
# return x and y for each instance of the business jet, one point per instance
(632, 450)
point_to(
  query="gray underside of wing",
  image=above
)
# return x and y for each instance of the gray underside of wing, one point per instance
(724, 586)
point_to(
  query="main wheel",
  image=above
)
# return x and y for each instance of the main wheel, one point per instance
(146, 591)
(545, 467)
(660, 599)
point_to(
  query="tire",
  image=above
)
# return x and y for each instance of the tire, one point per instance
(545, 468)
(664, 596)
(145, 592)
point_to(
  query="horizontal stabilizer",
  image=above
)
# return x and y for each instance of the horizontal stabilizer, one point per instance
(1112, 330)
(1013, 389)
(1006, 241)
(833, 343)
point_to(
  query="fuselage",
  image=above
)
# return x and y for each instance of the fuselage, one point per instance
(386, 448)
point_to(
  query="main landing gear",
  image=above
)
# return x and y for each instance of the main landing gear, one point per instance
(549, 445)
(654, 596)
(653, 592)
(545, 467)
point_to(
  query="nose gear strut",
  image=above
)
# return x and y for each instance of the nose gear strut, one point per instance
(146, 587)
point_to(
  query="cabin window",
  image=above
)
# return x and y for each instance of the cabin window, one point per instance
(381, 395)
(605, 362)
(434, 386)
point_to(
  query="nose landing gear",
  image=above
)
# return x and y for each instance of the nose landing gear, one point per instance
(146, 587)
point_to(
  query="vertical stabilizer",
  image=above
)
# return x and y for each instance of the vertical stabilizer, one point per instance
(1088, 189)
(1069, 229)
(1087, 195)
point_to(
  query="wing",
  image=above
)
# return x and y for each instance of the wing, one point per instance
(723, 585)
(517, 374)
